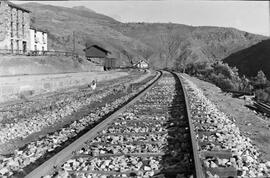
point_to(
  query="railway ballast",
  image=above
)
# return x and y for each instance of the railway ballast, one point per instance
(147, 138)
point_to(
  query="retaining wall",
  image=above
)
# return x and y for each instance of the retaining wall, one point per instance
(12, 88)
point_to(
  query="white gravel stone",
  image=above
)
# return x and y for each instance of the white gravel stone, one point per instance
(247, 154)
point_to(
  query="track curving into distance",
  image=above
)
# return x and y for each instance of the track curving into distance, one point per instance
(151, 136)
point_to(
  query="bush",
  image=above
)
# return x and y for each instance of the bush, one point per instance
(227, 84)
(224, 69)
(261, 95)
(221, 81)
(260, 81)
(227, 78)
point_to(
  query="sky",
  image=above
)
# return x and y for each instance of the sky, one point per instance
(250, 16)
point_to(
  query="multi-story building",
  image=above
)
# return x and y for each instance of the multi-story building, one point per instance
(38, 40)
(14, 28)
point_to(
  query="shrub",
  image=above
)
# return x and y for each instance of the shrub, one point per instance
(227, 84)
(220, 74)
(260, 81)
(221, 81)
(224, 69)
(261, 95)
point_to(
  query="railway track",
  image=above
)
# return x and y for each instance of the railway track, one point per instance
(263, 107)
(223, 150)
(45, 145)
(151, 136)
(55, 108)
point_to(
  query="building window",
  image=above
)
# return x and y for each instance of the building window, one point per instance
(43, 37)
(17, 30)
(23, 18)
(11, 14)
(17, 23)
(17, 15)
(11, 21)
(23, 31)
(11, 29)
(35, 36)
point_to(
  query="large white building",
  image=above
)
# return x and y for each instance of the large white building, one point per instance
(38, 40)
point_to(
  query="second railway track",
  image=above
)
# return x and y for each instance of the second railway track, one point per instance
(149, 137)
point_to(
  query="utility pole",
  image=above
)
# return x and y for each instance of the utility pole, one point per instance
(73, 43)
(166, 62)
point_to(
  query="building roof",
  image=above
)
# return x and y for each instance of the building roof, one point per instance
(37, 29)
(90, 43)
(16, 6)
(141, 61)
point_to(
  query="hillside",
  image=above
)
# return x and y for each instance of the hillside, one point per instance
(189, 44)
(60, 23)
(161, 43)
(250, 60)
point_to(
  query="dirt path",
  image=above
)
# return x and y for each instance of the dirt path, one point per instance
(257, 128)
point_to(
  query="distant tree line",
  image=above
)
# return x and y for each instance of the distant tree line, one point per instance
(228, 78)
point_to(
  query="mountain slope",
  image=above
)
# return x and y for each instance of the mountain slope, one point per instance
(187, 44)
(250, 60)
(61, 22)
(162, 43)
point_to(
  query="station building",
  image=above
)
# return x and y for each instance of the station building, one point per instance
(14, 28)
(95, 52)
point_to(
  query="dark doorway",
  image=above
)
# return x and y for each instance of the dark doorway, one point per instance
(18, 47)
(11, 46)
(24, 47)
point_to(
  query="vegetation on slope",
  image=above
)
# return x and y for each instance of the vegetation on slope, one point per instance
(250, 60)
(228, 78)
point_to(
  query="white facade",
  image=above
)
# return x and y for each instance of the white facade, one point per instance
(38, 40)
(142, 64)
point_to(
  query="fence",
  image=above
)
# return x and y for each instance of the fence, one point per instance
(36, 53)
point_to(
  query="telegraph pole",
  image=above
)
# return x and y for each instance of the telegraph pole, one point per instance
(73, 43)
(166, 62)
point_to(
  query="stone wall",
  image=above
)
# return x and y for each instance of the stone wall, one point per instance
(12, 88)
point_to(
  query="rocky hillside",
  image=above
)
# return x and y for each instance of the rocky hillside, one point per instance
(250, 60)
(163, 44)
(186, 44)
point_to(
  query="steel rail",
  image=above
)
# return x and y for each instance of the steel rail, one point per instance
(265, 108)
(114, 173)
(197, 162)
(50, 165)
